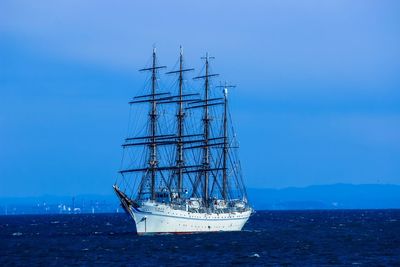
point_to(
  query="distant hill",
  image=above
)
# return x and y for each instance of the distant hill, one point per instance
(336, 196)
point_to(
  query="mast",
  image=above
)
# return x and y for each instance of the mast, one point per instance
(206, 150)
(153, 126)
(206, 128)
(206, 121)
(180, 160)
(225, 152)
(180, 116)
(153, 99)
(225, 145)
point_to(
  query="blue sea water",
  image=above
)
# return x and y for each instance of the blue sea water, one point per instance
(270, 238)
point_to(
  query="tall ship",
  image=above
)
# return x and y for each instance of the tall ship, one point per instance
(180, 171)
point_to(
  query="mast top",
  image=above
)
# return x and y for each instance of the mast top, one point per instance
(207, 75)
(181, 69)
(207, 57)
(154, 66)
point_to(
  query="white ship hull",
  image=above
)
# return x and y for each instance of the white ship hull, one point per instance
(154, 217)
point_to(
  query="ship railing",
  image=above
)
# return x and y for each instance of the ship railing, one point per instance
(184, 207)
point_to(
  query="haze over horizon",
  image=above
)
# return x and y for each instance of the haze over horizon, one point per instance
(317, 98)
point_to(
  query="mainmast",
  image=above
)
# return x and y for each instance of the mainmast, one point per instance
(180, 161)
(153, 125)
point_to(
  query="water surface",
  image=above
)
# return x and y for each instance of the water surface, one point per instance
(275, 238)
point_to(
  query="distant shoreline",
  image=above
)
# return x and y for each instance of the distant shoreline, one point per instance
(316, 197)
(262, 211)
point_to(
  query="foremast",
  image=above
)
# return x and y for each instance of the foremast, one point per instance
(153, 162)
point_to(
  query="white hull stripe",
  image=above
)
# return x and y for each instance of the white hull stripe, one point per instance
(189, 218)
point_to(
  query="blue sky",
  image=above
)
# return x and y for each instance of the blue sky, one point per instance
(317, 101)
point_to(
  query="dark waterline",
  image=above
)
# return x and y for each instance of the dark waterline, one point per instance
(297, 238)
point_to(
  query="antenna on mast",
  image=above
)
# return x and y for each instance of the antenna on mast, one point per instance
(225, 87)
(226, 140)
